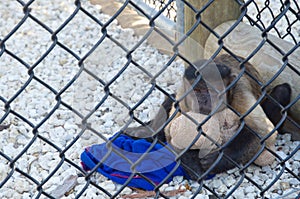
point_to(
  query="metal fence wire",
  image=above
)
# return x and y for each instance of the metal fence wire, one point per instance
(169, 9)
(72, 77)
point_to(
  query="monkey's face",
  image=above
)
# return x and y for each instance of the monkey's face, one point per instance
(206, 82)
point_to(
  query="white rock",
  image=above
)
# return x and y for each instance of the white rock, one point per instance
(268, 182)
(4, 169)
(170, 188)
(286, 137)
(249, 189)
(182, 197)
(216, 183)
(108, 124)
(239, 193)
(294, 166)
(229, 181)
(9, 150)
(8, 193)
(26, 196)
(291, 193)
(41, 173)
(22, 164)
(201, 196)
(69, 183)
(22, 140)
(109, 186)
(222, 188)
(251, 195)
(55, 180)
(178, 179)
(90, 194)
(296, 157)
(281, 154)
(266, 169)
(231, 171)
(163, 187)
(151, 62)
(294, 181)
(69, 126)
(263, 177)
(21, 185)
(126, 191)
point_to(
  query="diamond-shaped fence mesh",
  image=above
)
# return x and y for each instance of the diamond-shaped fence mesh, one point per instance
(77, 75)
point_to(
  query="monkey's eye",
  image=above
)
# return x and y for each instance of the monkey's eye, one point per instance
(224, 70)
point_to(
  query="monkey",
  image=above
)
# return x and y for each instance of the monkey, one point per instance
(240, 97)
(246, 144)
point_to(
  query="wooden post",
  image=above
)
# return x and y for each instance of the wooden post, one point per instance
(218, 12)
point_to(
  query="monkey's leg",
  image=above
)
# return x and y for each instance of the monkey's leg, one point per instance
(257, 121)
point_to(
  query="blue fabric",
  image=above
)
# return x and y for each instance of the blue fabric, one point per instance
(156, 165)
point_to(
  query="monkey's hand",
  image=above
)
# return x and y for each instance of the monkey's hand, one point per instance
(145, 132)
(191, 164)
(139, 132)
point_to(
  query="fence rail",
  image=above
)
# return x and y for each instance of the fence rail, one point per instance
(72, 77)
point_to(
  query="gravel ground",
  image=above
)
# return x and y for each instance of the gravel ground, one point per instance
(34, 103)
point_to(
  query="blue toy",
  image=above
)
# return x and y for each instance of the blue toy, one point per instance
(156, 164)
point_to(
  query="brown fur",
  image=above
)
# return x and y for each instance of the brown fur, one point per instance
(244, 95)
(241, 97)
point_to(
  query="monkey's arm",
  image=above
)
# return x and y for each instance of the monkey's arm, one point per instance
(240, 150)
(191, 163)
(282, 94)
(154, 124)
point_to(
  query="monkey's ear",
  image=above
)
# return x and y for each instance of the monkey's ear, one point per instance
(190, 73)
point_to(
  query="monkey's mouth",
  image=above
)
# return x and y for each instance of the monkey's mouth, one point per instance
(207, 98)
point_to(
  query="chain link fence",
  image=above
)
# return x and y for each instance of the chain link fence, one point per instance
(169, 11)
(73, 77)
